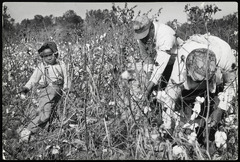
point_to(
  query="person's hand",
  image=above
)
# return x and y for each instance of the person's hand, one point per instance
(215, 117)
(58, 82)
(24, 90)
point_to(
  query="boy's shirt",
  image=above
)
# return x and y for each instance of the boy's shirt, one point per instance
(48, 74)
(165, 41)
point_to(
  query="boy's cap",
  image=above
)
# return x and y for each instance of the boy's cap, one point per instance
(141, 26)
(196, 64)
(46, 45)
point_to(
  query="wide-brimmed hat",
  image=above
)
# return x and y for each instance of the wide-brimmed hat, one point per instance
(196, 64)
(141, 26)
(46, 45)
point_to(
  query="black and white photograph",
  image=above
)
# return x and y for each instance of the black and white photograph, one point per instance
(120, 80)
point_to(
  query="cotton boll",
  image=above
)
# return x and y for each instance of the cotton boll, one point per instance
(199, 99)
(35, 102)
(146, 109)
(154, 136)
(191, 126)
(104, 150)
(230, 119)
(177, 150)
(25, 133)
(55, 150)
(223, 104)
(111, 103)
(3, 156)
(220, 139)
(161, 96)
(194, 116)
(197, 107)
(192, 137)
(126, 75)
(23, 97)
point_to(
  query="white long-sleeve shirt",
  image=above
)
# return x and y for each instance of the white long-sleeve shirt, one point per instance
(224, 74)
(165, 40)
(55, 72)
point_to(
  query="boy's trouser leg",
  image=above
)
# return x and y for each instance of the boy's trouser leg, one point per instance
(48, 99)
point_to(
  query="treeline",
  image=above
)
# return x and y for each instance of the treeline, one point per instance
(70, 27)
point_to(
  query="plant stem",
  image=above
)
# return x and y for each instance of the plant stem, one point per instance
(208, 97)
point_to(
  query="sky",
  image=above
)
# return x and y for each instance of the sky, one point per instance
(170, 10)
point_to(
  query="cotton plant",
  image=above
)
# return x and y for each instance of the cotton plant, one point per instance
(196, 110)
(166, 118)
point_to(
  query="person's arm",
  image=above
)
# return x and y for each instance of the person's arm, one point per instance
(66, 84)
(162, 61)
(225, 98)
(229, 79)
(36, 76)
(144, 55)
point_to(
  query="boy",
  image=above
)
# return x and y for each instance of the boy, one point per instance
(51, 78)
